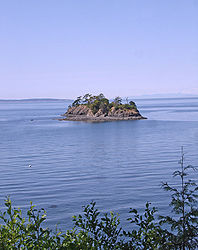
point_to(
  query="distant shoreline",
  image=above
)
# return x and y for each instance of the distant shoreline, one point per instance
(70, 100)
(35, 100)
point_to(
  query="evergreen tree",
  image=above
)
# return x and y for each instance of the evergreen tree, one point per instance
(184, 224)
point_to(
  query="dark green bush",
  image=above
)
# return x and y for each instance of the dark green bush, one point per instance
(148, 235)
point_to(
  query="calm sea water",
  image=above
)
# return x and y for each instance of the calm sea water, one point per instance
(117, 164)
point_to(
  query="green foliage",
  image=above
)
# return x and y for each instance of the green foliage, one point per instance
(118, 100)
(77, 102)
(127, 106)
(148, 235)
(103, 231)
(100, 102)
(19, 232)
(91, 230)
(184, 225)
(133, 105)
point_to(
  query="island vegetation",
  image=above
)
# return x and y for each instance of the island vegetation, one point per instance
(98, 107)
(93, 230)
(100, 102)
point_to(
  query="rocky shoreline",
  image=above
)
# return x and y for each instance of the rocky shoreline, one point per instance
(83, 113)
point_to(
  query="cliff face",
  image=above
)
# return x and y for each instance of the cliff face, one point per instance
(83, 113)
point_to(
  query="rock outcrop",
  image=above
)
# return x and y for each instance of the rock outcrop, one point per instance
(84, 113)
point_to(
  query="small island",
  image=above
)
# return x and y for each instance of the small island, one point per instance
(99, 108)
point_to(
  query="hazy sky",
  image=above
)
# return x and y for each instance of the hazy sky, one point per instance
(65, 48)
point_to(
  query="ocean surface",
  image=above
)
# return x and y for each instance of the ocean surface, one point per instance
(118, 164)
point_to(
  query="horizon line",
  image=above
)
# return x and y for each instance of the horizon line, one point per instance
(157, 96)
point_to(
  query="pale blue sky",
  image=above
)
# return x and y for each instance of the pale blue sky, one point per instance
(65, 48)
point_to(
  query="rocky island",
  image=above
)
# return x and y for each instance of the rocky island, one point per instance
(99, 108)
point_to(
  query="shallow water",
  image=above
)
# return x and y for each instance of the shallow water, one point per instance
(117, 164)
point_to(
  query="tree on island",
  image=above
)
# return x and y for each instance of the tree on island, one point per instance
(100, 102)
(118, 100)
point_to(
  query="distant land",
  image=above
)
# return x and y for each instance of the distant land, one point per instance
(37, 100)
(163, 96)
(131, 97)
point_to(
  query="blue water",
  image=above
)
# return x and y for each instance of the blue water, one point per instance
(117, 164)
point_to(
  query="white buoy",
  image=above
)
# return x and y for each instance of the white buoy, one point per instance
(30, 166)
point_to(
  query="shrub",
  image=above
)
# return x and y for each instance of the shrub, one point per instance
(148, 235)
(18, 232)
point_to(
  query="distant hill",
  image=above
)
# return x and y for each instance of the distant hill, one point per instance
(157, 96)
(36, 100)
